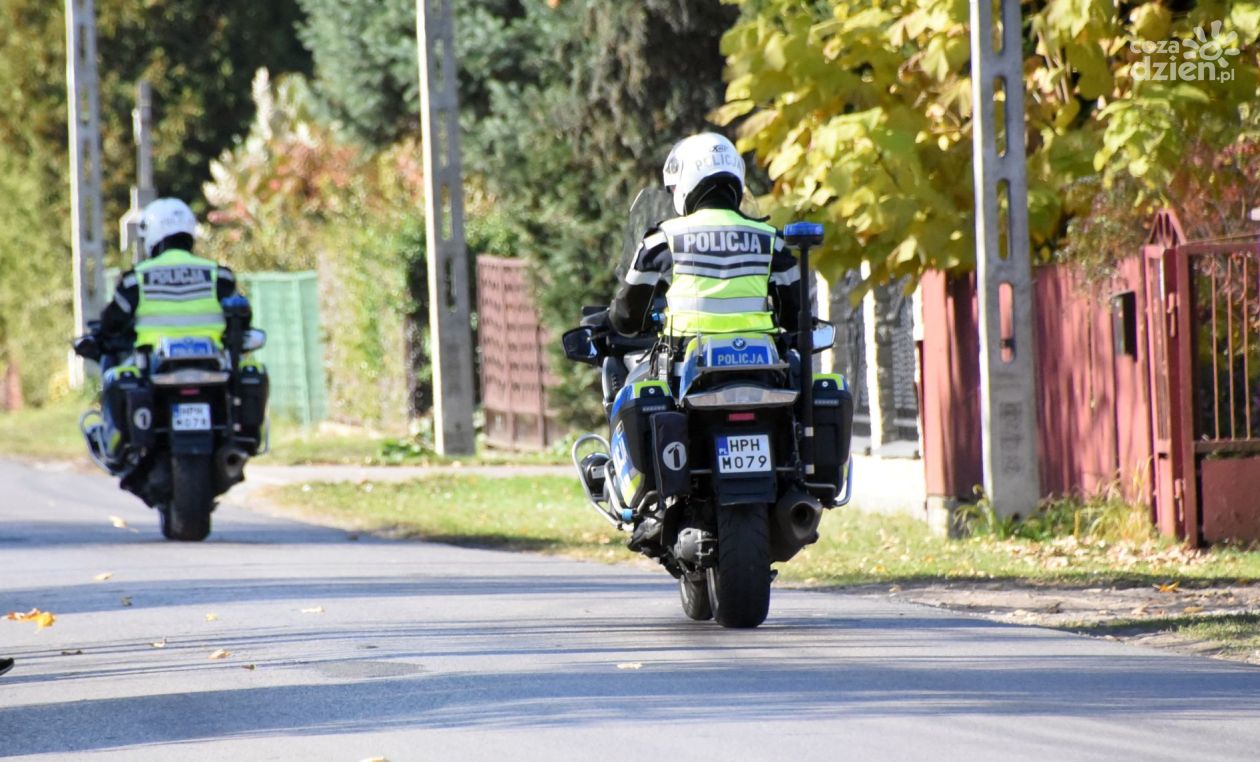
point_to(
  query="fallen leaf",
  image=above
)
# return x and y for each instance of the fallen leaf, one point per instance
(212, 617)
(250, 667)
(1169, 587)
(315, 610)
(125, 600)
(41, 619)
(1192, 610)
(76, 652)
(102, 576)
(375, 759)
(159, 643)
(222, 653)
(630, 665)
(894, 589)
(117, 522)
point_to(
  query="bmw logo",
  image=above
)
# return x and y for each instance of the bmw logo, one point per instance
(739, 343)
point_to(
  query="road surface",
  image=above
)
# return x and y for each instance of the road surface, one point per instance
(342, 649)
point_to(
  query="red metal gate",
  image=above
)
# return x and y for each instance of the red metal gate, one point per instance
(514, 377)
(1204, 314)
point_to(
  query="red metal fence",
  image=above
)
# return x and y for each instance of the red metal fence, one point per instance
(513, 347)
(1148, 381)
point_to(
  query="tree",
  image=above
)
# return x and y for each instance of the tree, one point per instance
(861, 113)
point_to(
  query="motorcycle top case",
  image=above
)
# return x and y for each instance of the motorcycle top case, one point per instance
(632, 437)
(833, 428)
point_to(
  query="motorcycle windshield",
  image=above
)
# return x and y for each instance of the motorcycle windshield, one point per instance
(650, 208)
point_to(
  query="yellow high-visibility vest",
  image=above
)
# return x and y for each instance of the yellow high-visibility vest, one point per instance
(721, 273)
(178, 298)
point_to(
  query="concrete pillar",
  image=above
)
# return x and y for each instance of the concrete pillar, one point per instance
(449, 290)
(1003, 266)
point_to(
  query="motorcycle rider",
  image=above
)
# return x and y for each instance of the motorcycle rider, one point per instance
(172, 293)
(719, 270)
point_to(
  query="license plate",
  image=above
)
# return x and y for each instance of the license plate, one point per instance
(193, 416)
(744, 454)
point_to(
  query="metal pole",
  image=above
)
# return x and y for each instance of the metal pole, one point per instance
(143, 192)
(449, 308)
(86, 219)
(1004, 283)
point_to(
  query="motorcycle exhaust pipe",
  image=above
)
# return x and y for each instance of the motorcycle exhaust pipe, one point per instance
(796, 518)
(231, 462)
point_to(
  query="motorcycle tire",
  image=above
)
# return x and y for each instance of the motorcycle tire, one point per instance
(694, 591)
(739, 587)
(187, 517)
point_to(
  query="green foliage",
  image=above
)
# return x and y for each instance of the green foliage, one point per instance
(199, 58)
(567, 110)
(294, 196)
(1107, 517)
(861, 113)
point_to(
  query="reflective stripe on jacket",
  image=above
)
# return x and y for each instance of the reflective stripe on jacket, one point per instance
(721, 273)
(177, 298)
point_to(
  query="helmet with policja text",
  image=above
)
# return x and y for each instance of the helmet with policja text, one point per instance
(164, 219)
(698, 162)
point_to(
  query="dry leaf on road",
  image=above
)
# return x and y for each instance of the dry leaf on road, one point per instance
(159, 643)
(315, 610)
(630, 665)
(118, 522)
(249, 667)
(102, 576)
(212, 617)
(125, 600)
(1169, 587)
(222, 653)
(76, 652)
(41, 619)
(1192, 610)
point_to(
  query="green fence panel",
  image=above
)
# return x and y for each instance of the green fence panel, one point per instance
(286, 306)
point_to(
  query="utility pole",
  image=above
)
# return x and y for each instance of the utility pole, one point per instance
(87, 223)
(143, 192)
(1003, 266)
(449, 294)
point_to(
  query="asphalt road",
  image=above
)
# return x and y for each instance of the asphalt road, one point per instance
(348, 650)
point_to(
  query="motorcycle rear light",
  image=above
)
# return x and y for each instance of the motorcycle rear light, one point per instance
(189, 392)
(741, 417)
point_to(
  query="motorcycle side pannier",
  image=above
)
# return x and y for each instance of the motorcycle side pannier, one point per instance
(632, 441)
(254, 387)
(833, 429)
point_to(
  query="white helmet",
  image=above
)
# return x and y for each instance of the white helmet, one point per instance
(164, 218)
(697, 158)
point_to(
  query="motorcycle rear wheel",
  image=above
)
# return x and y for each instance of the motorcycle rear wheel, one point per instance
(739, 587)
(187, 517)
(694, 592)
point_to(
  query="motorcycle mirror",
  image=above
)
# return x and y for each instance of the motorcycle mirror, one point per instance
(824, 336)
(88, 348)
(579, 346)
(255, 339)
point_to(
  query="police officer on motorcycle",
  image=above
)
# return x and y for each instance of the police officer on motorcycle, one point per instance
(172, 293)
(719, 270)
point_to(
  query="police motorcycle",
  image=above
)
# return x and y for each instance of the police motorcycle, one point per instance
(189, 414)
(724, 454)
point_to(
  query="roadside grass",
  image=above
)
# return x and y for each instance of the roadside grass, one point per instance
(1233, 636)
(541, 514)
(51, 432)
(48, 432)
(549, 514)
